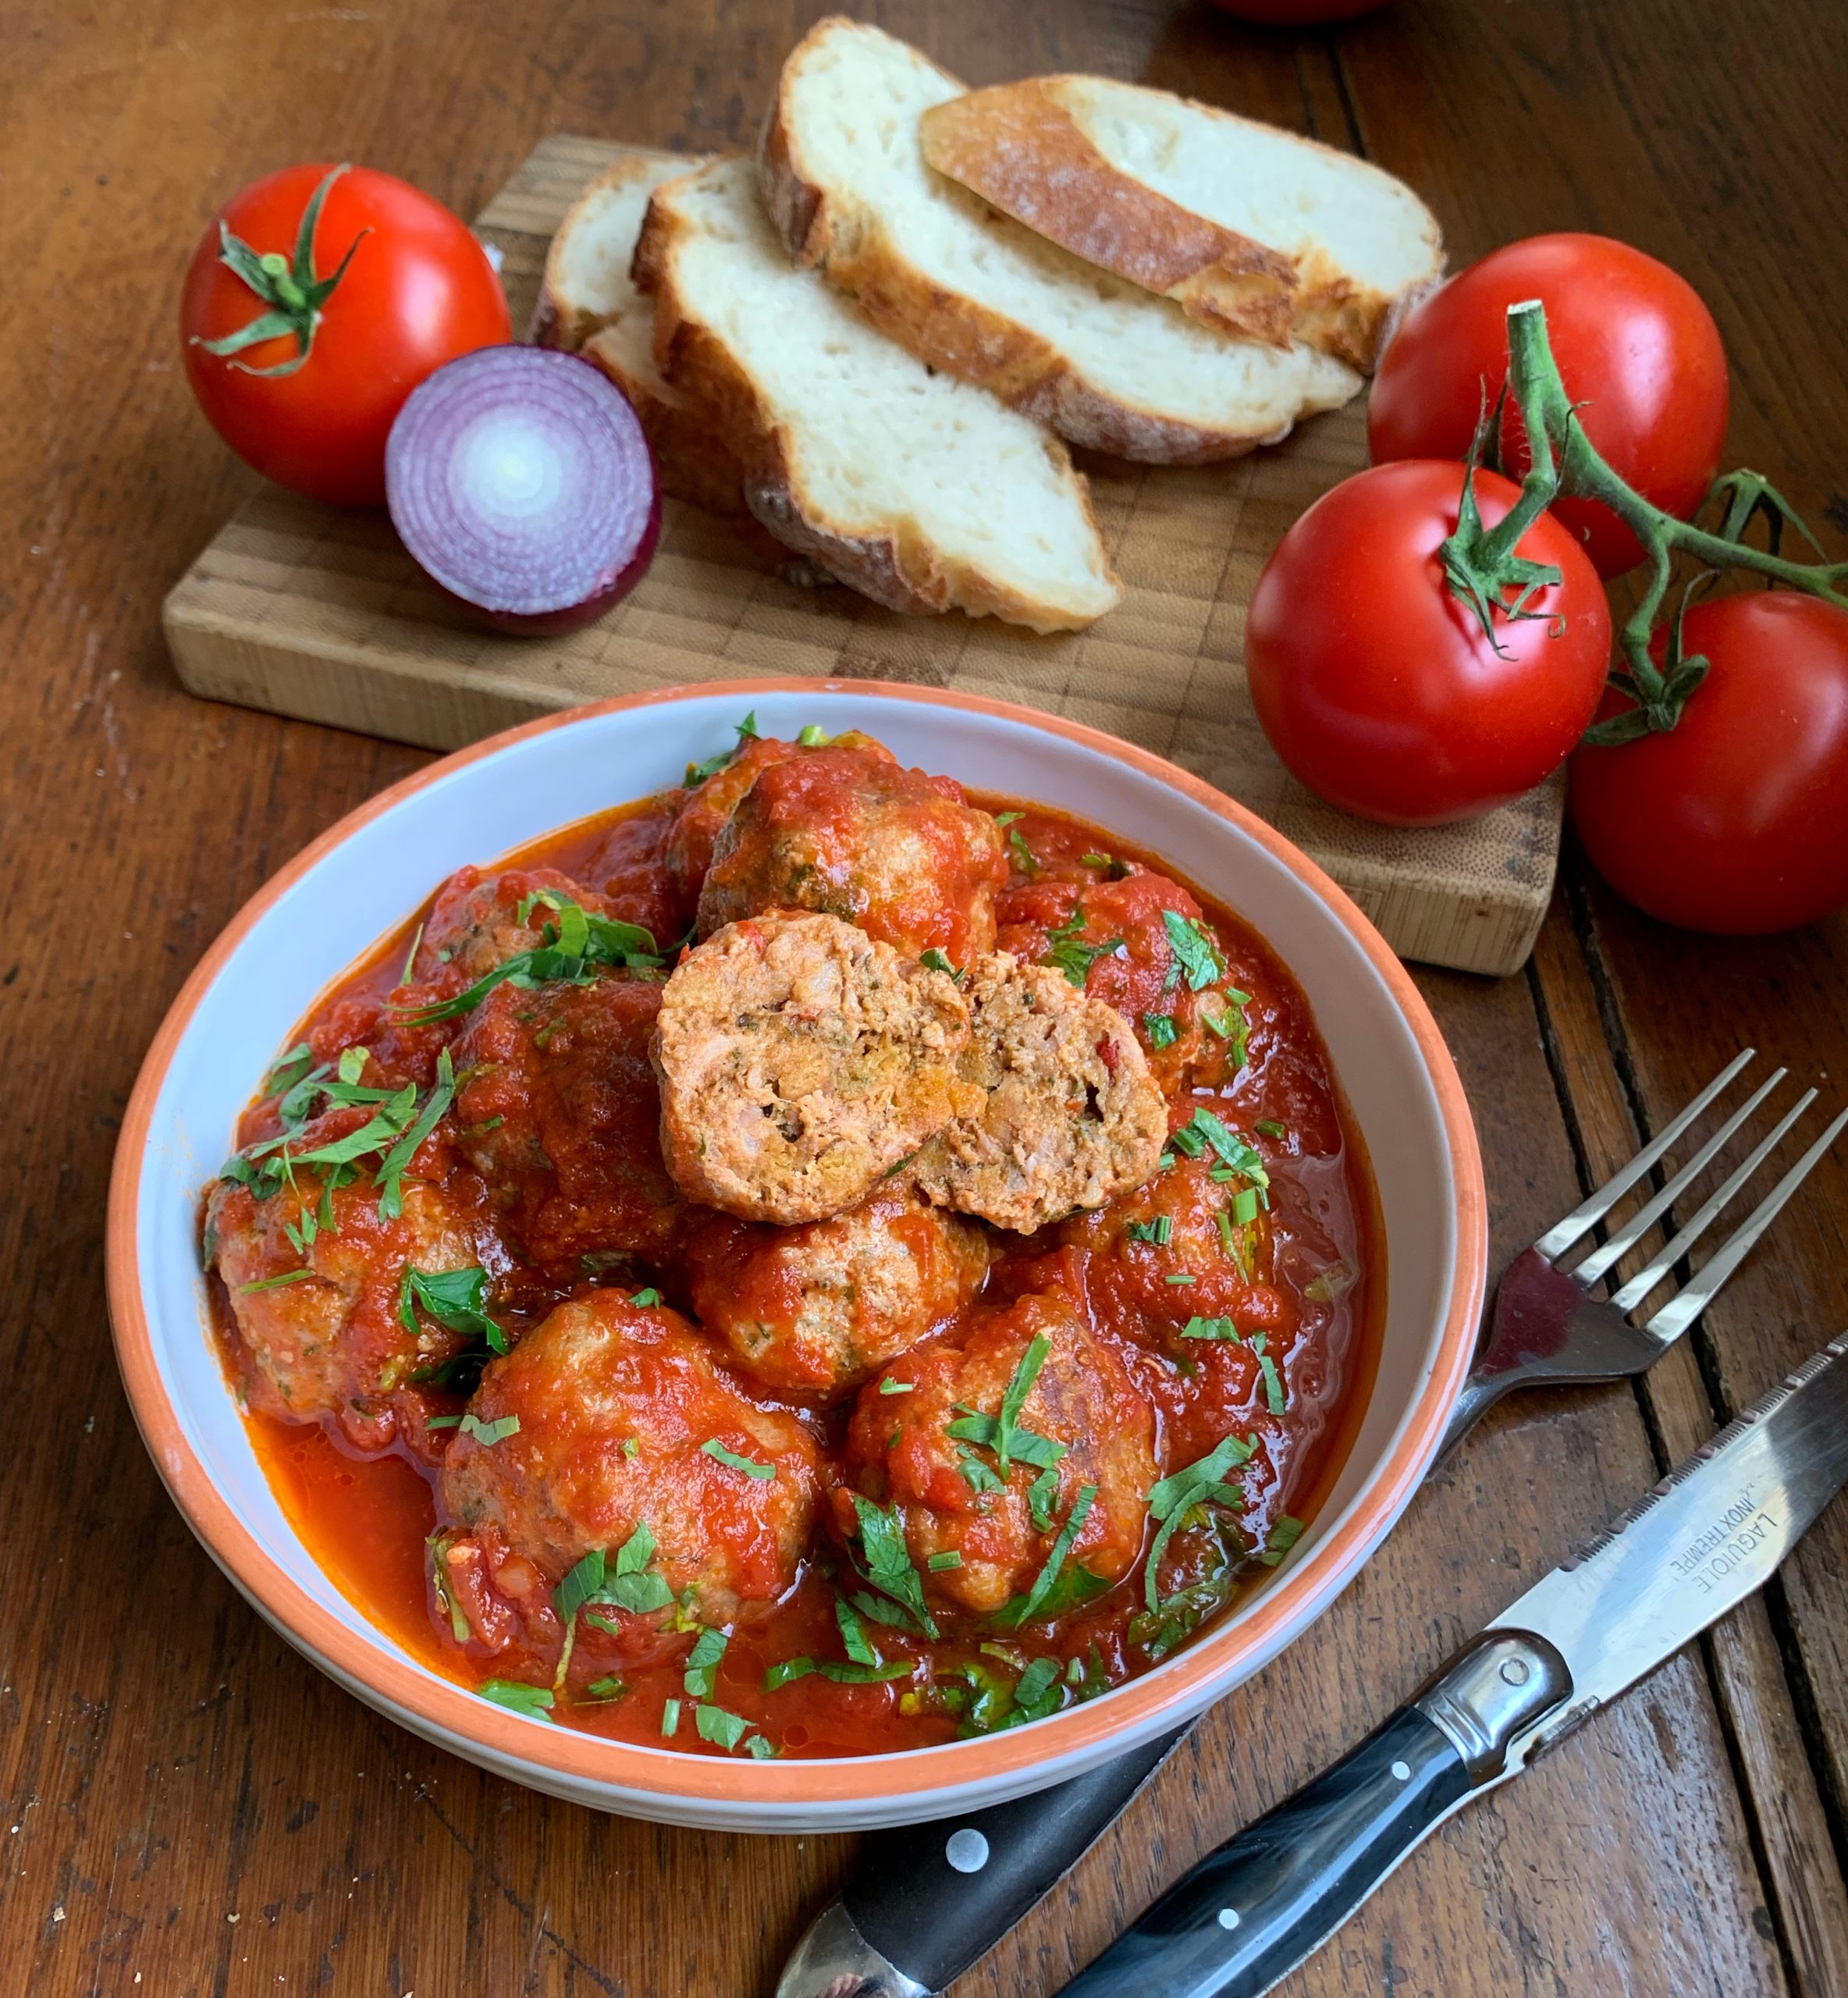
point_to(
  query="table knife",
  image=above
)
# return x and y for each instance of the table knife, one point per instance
(1710, 1535)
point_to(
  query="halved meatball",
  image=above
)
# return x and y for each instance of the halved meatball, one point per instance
(333, 1344)
(1070, 1113)
(800, 1062)
(818, 1310)
(561, 1114)
(952, 1495)
(601, 1418)
(849, 832)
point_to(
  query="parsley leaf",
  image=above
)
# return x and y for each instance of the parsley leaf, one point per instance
(1160, 1028)
(1204, 1128)
(575, 945)
(1274, 1398)
(1268, 1127)
(275, 1282)
(1160, 1232)
(1024, 857)
(696, 773)
(934, 960)
(1013, 1397)
(630, 1585)
(391, 1171)
(456, 1299)
(1066, 954)
(1046, 1597)
(714, 1724)
(1194, 951)
(701, 1673)
(1209, 1328)
(1285, 1534)
(489, 1434)
(670, 1717)
(889, 1386)
(948, 1558)
(645, 1300)
(714, 1448)
(1174, 1497)
(888, 1567)
(608, 1688)
(534, 1702)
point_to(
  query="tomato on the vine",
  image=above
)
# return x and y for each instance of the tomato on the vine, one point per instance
(1637, 350)
(301, 343)
(1735, 820)
(1378, 686)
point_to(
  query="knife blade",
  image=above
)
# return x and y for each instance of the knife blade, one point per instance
(1710, 1533)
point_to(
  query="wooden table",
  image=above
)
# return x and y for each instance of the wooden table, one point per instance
(185, 1805)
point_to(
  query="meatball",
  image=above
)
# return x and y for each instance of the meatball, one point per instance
(851, 832)
(952, 1495)
(561, 1114)
(800, 1062)
(818, 1310)
(1070, 1114)
(1116, 936)
(333, 1344)
(601, 1418)
(1161, 1254)
(475, 923)
(628, 867)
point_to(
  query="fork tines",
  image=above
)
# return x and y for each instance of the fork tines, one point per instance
(1680, 1311)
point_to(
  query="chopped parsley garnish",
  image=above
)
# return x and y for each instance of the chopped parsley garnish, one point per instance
(1274, 1398)
(696, 773)
(714, 1448)
(812, 737)
(1228, 1241)
(574, 946)
(1064, 952)
(1025, 1446)
(1245, 1206)
(1007, 818)
(391, 1171)
(1181, 1276)
(1042, 1495)
(934, 960)
(1241, 1156)
(1023, 857)
(417, 939)
(456, 1299)
(645, 1300)
(1037, 1691)
(714, 1724)
(702, 1674)
(978, 1477)
(1013, 1397)
(1196, 955)
(534, 1702)
(1335, 1281)
(847, 1674)
(275, 1282)
(488, 1433)
(670, 1717)
(288, 1069)
(605, 1689)
(1285, 1534)
(1268, 1127)
(631, 1446)
(1175, 1496)
(886, 1563)
(1056, 1589)
(1209, 1328)
(853, 1633)
(1160, 1028)
(889, 1386)
(1108, 861)
(1160, 1232)
(938, 1564)
(1226, 1019)
(436, 1549)
(627, 1583)
(442, 1421)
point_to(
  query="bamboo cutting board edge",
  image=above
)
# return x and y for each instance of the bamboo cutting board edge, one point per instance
(308, 612)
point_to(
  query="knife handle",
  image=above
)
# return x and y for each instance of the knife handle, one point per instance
(930, 1899)
(1251, 1910)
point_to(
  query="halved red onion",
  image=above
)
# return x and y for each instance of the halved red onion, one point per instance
(520, 480)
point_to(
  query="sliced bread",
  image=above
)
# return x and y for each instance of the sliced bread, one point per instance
(588, 304)
(977, 292)
(1250, 230)
(586, 284)
(925, 493)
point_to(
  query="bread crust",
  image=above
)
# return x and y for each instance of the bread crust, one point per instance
(949, 330)
(1018, 147)
(1021, 148)
(556, 320)
(905, 572)
(693, 461)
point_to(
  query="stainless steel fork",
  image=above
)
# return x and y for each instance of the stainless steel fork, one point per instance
(1547, 1324)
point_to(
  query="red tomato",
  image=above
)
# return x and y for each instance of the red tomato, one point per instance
(1735, 820)
(419, 291)
(1636, 349)
(1378, 687)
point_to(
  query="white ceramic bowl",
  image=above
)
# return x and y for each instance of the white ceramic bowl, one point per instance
(300, 933)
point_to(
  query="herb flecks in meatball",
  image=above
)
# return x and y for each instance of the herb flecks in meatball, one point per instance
(800, 1062)
(816, 1311)
(611, 1417)
(1070, 1114)
(990, 1449)
(848, 832)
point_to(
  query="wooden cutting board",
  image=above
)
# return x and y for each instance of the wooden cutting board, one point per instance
(317, 612)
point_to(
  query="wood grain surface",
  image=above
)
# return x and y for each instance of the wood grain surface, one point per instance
(185, 1807)
(310, 611)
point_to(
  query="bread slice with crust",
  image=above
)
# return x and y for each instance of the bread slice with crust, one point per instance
(693, 461)
(973, 291)
(1255, 231)
(923, 492)
(586, 284)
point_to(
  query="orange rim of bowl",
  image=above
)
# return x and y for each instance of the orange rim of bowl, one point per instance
(1140, 1705)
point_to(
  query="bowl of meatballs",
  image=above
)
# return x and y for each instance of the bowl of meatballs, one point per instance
(791, 1255)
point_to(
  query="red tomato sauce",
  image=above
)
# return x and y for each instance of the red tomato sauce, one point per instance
(1301, 1281)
